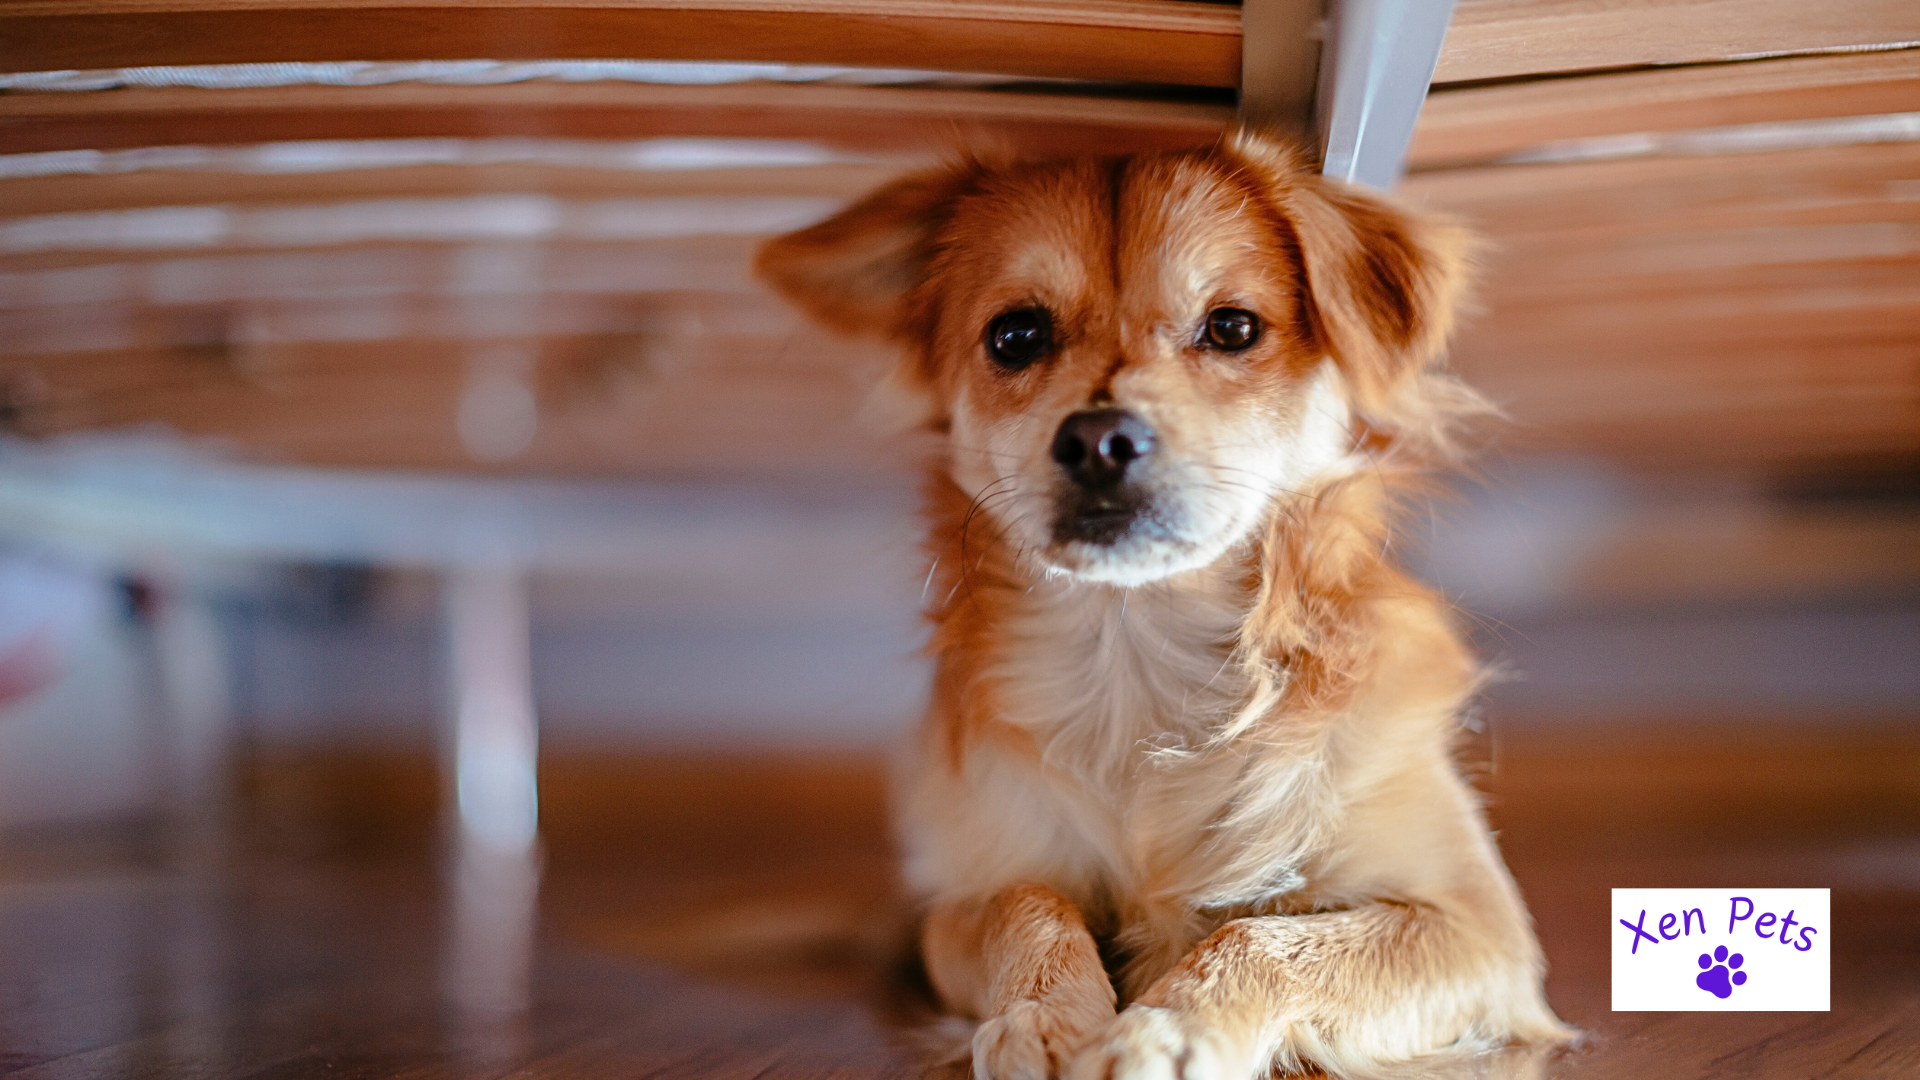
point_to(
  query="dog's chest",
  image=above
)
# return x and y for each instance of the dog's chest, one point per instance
(1105, 678)
(1122, 694)
(1118, 689)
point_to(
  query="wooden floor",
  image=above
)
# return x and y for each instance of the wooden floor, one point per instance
(756, 949)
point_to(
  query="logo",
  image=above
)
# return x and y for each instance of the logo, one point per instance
(1721, 950)
(1715, 979)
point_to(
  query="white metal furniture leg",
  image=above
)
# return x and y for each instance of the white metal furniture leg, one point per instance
(496, 873)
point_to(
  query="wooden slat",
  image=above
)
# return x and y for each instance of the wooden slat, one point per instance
(730, 409)
(1480, 123)
(1495, 39)
(1732, 550)
(201, 277)
(869, 119)
(1841, 261)
(774, 871)
(1165, 41)
(1657, 194)
(161, 187)
(1689, 379)
(751, 321)
(1841, 265)
(1162, 41)
(1779, 392)
(1750, 309)
(1681, 312)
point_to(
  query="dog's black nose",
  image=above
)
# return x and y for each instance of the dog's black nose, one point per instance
(1096, 447)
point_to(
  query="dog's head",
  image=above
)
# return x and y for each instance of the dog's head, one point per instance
(1134, 359)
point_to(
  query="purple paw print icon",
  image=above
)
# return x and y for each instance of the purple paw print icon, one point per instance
(1714, 978)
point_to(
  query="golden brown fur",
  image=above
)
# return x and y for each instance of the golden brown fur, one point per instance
(1218, 740)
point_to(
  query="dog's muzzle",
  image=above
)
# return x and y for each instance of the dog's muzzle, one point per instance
(1096, 450)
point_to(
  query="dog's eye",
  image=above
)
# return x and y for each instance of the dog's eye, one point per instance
(1232, 329)
(1017, 338)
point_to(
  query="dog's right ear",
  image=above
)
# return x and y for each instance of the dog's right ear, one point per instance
(855, 271)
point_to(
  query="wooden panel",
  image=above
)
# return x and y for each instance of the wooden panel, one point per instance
(757, 406)
(188, 187)
(1496, 39)
(776, 873)
(1751, 309)
(870, 119)
(1479, 123)
(1727, 552)
(1162, 41)
(719, 408)
(1665, 414)
(1754, 309)
(1165, 41)
(654, 806)
(1844, 260)
(1700, 780)
(372, 272)
(496, 218)
(1656, 194)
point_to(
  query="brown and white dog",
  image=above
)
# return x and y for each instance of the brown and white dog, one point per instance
(1189, 743)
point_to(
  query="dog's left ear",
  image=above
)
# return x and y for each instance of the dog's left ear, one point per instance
(854, 271)
(1384, 281)
(858, 271)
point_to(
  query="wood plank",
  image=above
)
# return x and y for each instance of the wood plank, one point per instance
(1746, 309)
(1564, 776)
(1834, 269)
(1883, 309)
(503, 217)
(1166, 41)
(1858, 774)
(375, 271)
(1882, 246)
(715, 407)
(1475, 124)
(776, 870)
(658, 806)
(625, 402)
(1656, 194)
(1161, 41)
(1725, 551)
(863, 119)
(194, 187)
(1759, 412)
(1803, 363)
(1498, 39)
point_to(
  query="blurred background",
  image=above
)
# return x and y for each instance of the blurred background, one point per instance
(285, 347)
(390, 431)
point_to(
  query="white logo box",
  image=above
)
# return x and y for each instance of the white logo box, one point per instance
(1764, 950)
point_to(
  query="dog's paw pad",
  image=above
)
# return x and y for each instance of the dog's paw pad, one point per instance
(1030, 1041)
(1146, 1043)
(1720, 972)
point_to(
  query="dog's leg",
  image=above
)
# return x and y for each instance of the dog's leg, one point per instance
(1345, 990)
(1023, 962)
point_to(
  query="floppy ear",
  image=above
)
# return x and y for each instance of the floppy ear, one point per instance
(1384, 281)
(854, 271)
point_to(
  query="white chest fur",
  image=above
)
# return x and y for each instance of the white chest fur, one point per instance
(1113, 685)
(1104, 677)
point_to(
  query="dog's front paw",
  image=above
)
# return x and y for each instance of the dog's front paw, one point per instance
(1147, 1043)
(1032, 1040)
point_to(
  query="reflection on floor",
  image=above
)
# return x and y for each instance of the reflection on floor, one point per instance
(735, 919)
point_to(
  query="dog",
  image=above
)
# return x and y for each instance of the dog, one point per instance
(1184, 803)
